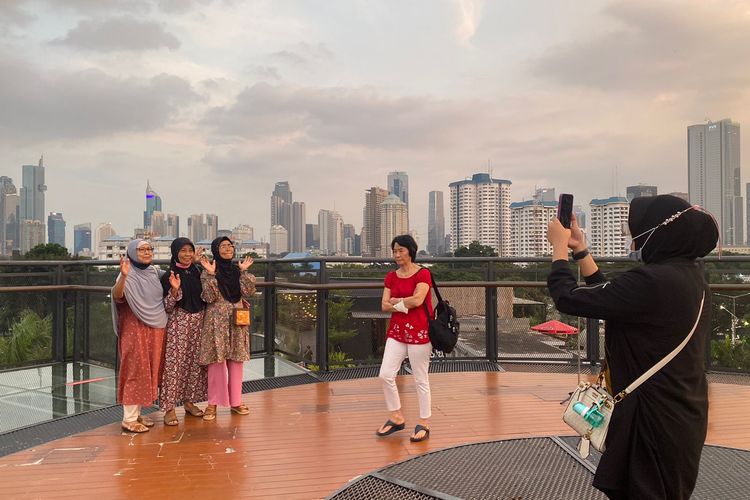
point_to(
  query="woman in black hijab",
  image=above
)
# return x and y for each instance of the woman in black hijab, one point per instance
(225, 345)
(184, 380)
(656, 433)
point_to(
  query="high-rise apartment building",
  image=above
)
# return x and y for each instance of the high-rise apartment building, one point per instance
(607, 218)
(279, 239)
(103, 231)
(641, 190)
(331, 227)
(298, 236)
(394, 221)
(56, 228)
(243, 232)
(203, 227)
(371, 218)
(529, 221)
(480, 211)
(436, 224)
(153, 204)
(9, 216)
(714, 175)
(32, 192)
(82, 239)
(32, 234)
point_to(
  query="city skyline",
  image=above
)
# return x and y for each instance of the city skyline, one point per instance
(215, 101)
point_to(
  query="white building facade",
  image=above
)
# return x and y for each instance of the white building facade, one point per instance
(480, 211)
(529, 221)
(607, 219)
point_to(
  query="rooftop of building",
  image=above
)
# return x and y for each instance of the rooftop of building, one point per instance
(480, 179)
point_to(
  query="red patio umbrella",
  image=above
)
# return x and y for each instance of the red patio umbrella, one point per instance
(555, 327)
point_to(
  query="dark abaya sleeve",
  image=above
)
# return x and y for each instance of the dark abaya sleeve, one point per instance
(623, 298)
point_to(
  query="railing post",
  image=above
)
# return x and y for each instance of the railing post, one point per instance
(592, 341)
(59, 328)
(490, 315)
(85, 318)
(269, 312)
(321, 337)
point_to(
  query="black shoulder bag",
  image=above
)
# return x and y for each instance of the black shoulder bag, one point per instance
(444, 326)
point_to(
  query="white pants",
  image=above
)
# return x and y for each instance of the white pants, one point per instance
(419, 359)
(131, 413)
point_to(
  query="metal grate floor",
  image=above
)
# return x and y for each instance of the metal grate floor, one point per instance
(535, 468)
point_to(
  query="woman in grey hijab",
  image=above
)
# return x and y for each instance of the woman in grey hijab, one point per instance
(139, 321)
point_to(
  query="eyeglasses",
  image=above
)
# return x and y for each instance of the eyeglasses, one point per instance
(145, 250)
(226, 245)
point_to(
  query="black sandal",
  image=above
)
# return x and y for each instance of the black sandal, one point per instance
(394, 428)
(417, 430)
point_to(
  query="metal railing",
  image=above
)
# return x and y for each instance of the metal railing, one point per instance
(325, 312)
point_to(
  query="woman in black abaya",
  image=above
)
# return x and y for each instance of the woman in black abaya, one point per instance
(656, 434)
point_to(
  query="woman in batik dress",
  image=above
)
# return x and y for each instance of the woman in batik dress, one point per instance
(185, 381)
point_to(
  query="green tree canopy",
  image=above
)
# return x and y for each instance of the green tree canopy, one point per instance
(49, 251)
(475, 249)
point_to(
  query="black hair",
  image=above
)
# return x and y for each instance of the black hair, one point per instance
(406, 241)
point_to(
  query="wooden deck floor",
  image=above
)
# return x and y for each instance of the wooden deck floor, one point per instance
(307, 441)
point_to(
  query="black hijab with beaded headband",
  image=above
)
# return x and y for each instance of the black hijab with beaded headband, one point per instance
(690, 235)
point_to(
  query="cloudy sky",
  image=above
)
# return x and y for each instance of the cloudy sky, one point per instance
(216, 100)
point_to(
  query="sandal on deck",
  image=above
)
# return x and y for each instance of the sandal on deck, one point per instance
(209, 413)
(240, 410)
(394, 427)
(146, 421)
(170, 418)
(417, 430)
(192, 410)
(135, 427)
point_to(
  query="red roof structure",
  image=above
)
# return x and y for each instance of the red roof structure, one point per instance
(555, 327)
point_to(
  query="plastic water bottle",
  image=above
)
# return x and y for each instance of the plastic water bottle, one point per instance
(591, 415)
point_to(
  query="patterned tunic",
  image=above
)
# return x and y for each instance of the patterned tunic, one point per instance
(220, 339)
(141, 353)
(184, 378)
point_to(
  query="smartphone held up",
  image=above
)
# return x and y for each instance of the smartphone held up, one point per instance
(565, 209)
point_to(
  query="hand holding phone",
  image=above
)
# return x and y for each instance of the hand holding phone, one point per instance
(565, 209)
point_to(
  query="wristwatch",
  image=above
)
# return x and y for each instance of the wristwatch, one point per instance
(581, 255)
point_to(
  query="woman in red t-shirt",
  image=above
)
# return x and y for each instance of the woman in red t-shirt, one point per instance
(406, 291)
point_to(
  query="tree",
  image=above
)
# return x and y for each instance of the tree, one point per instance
(475, 249)
(50, 251)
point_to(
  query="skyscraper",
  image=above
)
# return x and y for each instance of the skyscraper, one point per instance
(394, 221)
(32, 192)
(279, 238)
(398, 185)
(104, 231)
(714, 175)
(298, 235)
(350, 239)
(82, 239)
(153, 204)
(371, 218)
(640, 190)
(606, 236)
(529, 221)
(56, 228)
(173, 226)
(9, 216)
(32, 234)
(203, 227)
(281, 208)
(312, 235)
(436, 224)
(544, 194)
(480, 211)
(331, 227)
